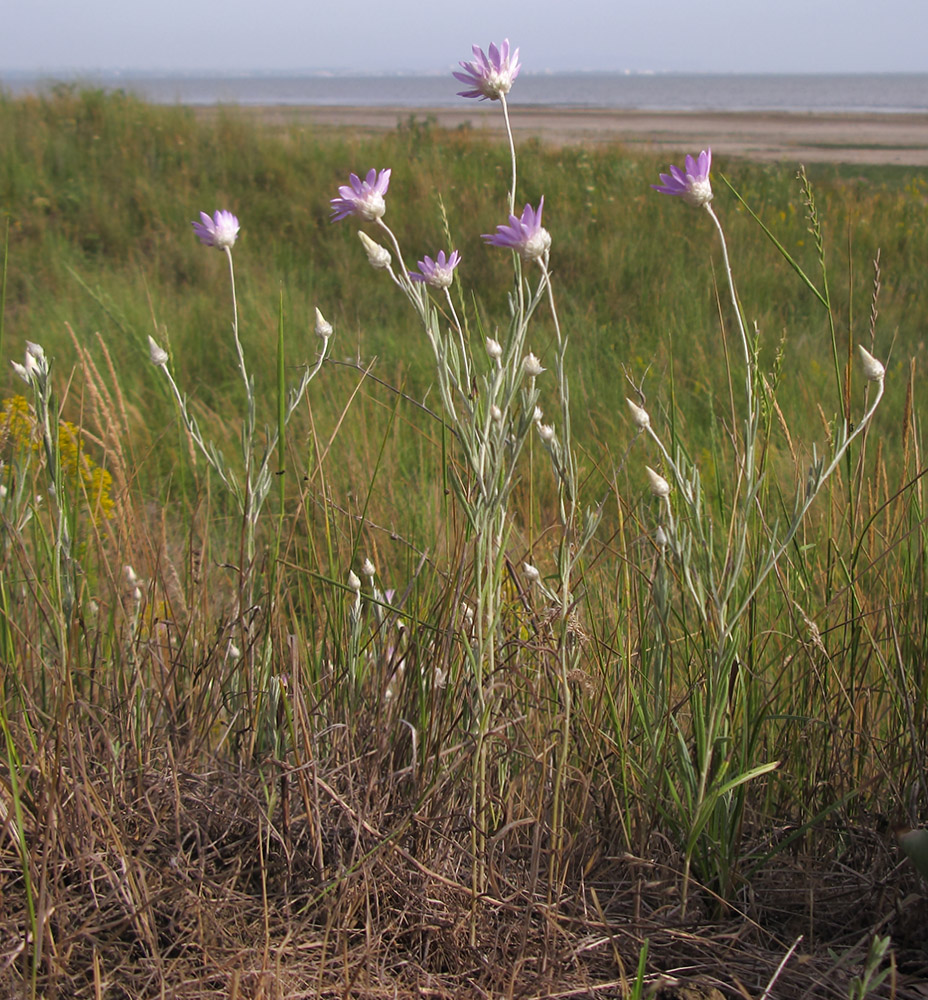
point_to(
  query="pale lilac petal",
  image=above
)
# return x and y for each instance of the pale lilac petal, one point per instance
(524, 235)
(489, 78)
(364, 199)
(692, 185)
(438, 273)
(219, 230)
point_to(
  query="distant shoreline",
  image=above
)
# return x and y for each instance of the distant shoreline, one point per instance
(801, 137)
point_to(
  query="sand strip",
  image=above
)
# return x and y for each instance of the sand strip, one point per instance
(794, 137)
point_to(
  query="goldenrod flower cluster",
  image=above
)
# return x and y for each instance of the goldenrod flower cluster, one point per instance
(18, 433)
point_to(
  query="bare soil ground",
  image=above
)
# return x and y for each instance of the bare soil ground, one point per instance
(839, 138)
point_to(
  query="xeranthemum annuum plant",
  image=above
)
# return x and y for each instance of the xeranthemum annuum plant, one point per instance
(712, 757)
(249, 484)
(491, 428)
(250, 488)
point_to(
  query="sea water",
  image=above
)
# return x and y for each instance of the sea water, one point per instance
(881, 93)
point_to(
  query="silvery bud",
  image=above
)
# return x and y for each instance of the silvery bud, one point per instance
(546, 432)
(494, 349)
(354, 582)
(496, 413)
(368, 568)
(378, 256)
(323, 326)
(532, 365)
(35, 359)
(531, 572)
(659, 486)
(873, 369)
(157, 355)
(640, 417)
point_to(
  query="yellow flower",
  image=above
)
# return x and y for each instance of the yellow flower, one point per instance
(19, 432)
(83, 473)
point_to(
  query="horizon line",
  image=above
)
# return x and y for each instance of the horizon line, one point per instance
(328, 72)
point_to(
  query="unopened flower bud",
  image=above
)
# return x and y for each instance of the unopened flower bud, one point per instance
(640, 417)
(660, 537)
(130, 575)
(532, 365)
(546, 432)
(157, 355)
(494, 349)
(873, 369)
(354, 582)
(531, 572)
(21, 371)
(323, 326)
(368, 568)
(496, 413)
(537, 415)
(378, 256)
(659, 486)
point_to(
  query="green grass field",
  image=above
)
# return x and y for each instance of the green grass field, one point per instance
(226, 777)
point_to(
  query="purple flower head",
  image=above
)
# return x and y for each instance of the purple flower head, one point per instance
(489, 76)
(218, 231)
(438, 273)
(362, 198)
(525, 235)
(692, 185)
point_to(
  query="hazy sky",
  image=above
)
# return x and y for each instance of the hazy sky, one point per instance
(238, 35)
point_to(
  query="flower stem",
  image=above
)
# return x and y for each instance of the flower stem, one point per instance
(512, 152)
(238, 343)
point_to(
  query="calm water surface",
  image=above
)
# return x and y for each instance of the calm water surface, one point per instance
(886, 93)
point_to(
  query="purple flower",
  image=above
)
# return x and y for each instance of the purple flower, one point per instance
(438, 273)
(362, 198)
(218, 231)
(692, 185)
(526, 235)
(489, 76)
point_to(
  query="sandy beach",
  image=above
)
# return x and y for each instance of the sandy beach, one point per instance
(802, 138)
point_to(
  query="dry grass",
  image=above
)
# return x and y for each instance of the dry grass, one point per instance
(158, 878)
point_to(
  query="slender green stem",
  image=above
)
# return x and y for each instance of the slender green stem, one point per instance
(512, 152)
(238, 343)
(750, 427)
(567, 492)
(281, 405)
(812, 490)
(403, 281)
